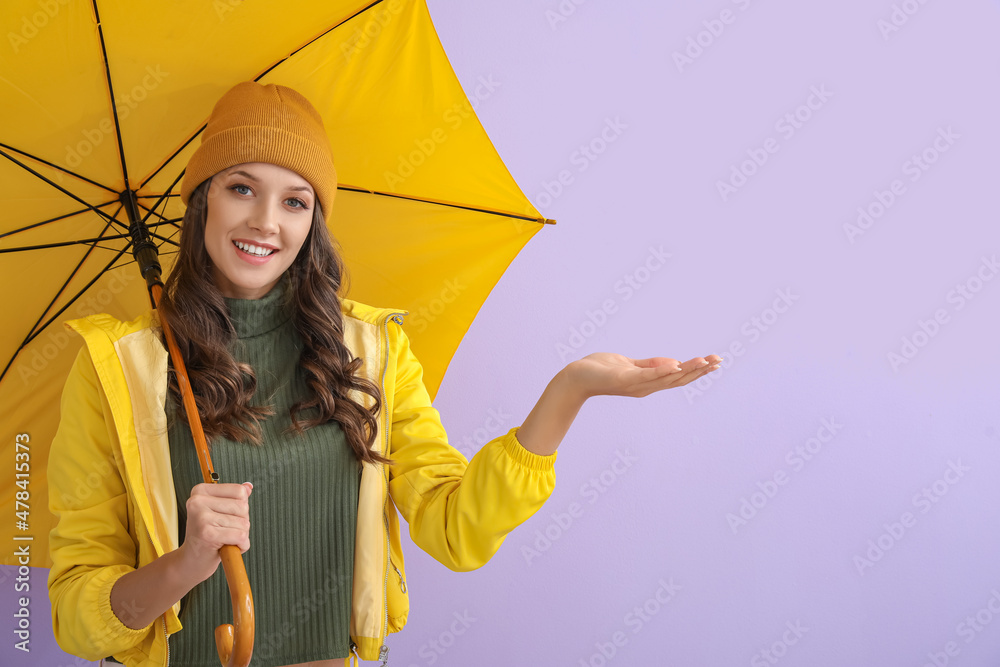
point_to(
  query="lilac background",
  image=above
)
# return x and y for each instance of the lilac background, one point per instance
(676, 463)
(696, 455)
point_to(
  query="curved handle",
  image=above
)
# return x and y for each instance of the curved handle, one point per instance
(235, 648)
(234, 653)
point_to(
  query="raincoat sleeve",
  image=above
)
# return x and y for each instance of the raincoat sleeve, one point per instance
(458, 511)
(90, 545)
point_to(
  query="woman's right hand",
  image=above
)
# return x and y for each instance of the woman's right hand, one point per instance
(217, 515)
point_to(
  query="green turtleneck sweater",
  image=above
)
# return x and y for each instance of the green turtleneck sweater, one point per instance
(303, 510)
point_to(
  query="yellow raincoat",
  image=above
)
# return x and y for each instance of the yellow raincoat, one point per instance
(111, 486)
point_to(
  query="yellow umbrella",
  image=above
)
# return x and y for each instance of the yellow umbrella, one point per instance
(102, 105)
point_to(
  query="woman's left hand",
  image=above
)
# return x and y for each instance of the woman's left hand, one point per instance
(608, 374)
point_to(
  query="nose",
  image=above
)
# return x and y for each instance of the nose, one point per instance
(264, 218)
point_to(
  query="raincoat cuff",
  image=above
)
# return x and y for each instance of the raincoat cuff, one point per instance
(527, 458)
(118, 634)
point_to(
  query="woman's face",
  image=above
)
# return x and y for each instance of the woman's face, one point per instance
(258, 217)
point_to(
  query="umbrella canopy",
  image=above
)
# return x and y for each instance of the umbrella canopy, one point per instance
(103, 103)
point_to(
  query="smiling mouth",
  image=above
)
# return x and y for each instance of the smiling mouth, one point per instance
(253, 250)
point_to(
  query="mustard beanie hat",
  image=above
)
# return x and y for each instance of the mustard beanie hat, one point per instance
(274, 124)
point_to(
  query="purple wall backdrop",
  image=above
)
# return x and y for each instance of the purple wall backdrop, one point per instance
(875, 546)
(810, 191)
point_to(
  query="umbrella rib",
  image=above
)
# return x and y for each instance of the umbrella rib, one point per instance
(56, 186)
(100, 273)
(331, 28)
(161, 198)
(168, 221)
(90, 242)
(62, 289)
(111, 95)
(55, 166)
(441, 202)
(151, 211)
(170, 239)
(45, 222)
(165, 239)
(32, 336)
(168, 161)
(167, 192)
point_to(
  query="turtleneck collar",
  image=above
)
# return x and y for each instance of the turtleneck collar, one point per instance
(253, 317)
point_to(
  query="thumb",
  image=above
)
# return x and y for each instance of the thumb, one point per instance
(249, 484)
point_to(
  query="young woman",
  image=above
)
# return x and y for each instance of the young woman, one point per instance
(314, 402)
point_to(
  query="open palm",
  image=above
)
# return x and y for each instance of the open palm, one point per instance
(606, 373)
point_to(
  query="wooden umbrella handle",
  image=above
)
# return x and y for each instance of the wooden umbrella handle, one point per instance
(235, 646)
(236, 651)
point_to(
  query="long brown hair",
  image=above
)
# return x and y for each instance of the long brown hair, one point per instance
(224, 387)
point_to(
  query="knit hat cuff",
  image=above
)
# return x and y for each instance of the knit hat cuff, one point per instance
(239, 145)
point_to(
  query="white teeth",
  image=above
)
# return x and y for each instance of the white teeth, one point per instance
(253, 250)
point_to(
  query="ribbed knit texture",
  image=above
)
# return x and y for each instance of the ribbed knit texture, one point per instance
(303, 511)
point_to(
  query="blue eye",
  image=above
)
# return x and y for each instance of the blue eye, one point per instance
(301, 204)
(240, 185)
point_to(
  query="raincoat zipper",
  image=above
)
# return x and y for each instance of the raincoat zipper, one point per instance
(383, 654)
(166, 638)
(402, 582)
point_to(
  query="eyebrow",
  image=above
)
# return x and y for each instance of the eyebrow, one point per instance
(257, 180)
